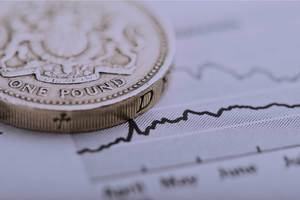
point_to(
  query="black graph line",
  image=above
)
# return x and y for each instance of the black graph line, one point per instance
(258, 149)
(168, 168)
(134, 128)
(254, 71)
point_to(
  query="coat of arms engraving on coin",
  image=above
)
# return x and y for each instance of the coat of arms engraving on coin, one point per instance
(59, 44)
(78, 66)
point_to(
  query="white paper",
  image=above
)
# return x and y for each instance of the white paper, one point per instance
(235, 85)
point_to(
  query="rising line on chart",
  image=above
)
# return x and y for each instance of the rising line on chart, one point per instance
(202, 68)
(134, 128)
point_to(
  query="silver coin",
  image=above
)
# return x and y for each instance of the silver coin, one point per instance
(80, 66)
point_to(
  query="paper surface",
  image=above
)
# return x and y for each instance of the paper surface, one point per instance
(233, 105)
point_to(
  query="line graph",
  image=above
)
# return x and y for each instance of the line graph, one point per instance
(254, 71)
(133, 127)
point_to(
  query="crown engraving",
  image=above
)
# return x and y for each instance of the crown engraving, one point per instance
(67, 44)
